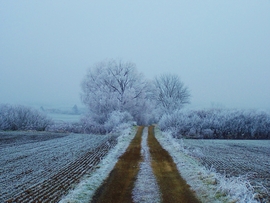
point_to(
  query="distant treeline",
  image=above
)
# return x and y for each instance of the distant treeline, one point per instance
(194, 124)
(218, 124)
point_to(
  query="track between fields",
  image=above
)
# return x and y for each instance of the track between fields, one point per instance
(117, 188)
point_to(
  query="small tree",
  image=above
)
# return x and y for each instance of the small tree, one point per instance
(171, 93)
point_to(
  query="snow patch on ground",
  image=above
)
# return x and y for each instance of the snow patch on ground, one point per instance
(209, 185)
(85, 190)
(146, 188)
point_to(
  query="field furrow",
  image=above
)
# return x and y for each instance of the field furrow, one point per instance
(28, 159)
(236, 158)
(52, 189)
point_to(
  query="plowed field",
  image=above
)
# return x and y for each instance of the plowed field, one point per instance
(38, 167)
(235, 158)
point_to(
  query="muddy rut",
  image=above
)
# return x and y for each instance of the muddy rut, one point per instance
(117, 188)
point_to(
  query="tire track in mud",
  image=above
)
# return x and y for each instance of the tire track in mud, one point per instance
(172, 186)
(118, 187)
(52, 189)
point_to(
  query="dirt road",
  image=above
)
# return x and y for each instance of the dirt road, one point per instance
(117, 188)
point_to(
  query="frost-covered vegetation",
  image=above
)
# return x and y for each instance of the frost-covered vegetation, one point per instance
(116, 120)
(244, 159)
(217, 124)
(115, 92)
(112, 86)
(22, 118)
(209, 184)
(170, 93)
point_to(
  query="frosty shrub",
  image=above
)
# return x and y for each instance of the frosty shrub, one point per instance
(91, 125)
(172, 121)
(115, 121)
(22, 118)
(218, 124)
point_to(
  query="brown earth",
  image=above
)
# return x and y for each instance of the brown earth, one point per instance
(172, 186)
(117, 188)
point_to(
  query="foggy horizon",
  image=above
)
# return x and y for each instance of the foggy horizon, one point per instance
(220, 50)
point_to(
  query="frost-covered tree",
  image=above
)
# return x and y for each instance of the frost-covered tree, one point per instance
(114, 86)
(171, 93)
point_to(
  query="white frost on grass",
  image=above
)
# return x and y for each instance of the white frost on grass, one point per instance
(146, 188)
(209, 185)
(85, 190)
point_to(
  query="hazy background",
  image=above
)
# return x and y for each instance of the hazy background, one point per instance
(220, 49)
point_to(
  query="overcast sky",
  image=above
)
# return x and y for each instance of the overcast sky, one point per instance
(219, 48)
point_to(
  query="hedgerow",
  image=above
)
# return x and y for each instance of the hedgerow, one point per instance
(218, 124)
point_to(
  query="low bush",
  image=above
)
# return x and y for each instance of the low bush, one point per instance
(99, 124)
(22, 118)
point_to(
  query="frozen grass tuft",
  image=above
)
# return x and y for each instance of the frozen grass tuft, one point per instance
(146, 188)
(85, 190)
(209, 185)
(238, 188)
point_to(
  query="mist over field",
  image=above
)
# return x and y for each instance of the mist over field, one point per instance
(219, 49)
(77, 78)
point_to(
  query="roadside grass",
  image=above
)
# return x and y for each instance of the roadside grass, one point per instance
(172, 185)
(209, 185)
